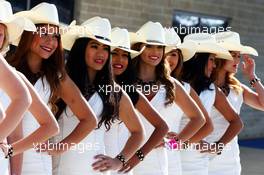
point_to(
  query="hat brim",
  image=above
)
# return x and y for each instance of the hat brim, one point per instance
(213, 48)
(72, 34)
(36, 18)
(16, 26)
(239, 47)
(188, 49)
(133, 53)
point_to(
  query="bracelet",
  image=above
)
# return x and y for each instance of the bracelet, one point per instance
(254, 81)
(10, 151)
(220, 150)
(140, 155)
(121, 158)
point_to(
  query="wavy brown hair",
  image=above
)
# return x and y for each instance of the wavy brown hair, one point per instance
(230, 79)
(162, 74)
(53, 68)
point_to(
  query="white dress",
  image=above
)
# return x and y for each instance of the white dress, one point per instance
(4, 163)
(33, 162)
(78, 160)
(156, 162)
(115, 140)
(228, 163)
(194, 162)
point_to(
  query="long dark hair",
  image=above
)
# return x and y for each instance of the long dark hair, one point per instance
(52, 68)
(128, 77)
(77, 70)
(162, 74)
(193, 72)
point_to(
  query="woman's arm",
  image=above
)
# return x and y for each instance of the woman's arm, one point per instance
(251, 98)
(254, 99)
(72, 96)
(19, 95)
(48, 128)
(191, 109)
(128, 115)
(207, 128)
(161, 129)
(226, 109)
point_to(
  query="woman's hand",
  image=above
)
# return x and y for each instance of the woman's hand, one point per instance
(248, 67)
(106, 163)
(130, 164)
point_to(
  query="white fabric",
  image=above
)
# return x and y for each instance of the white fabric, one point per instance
(33, 162)
(228, 163)
(78, 160)
(174, 125)
(4, 164)
(115, 140)
(194, 162)
(156, 162)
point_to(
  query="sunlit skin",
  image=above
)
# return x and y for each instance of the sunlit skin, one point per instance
(45, 41)
(232, 65)
(2, 35)
(210, 65)
(152, 55)
(119, 61)
(96, 55)
(173, 59)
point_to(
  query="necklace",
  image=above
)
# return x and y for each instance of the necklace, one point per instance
(225, 89)
(144, 83)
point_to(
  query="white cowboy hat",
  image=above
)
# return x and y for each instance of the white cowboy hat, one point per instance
(173, 41)
(206, 43)
(151, 33)
(43, 13)
(15, 25)
(96, 28)
(121, 40)
(231, 41)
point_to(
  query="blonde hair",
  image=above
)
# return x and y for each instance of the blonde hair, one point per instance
(230, 79)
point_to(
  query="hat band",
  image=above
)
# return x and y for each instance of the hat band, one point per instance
(154, 41)
(103, 38)
(123, 47)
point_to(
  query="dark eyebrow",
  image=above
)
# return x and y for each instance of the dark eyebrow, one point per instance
(94, 42)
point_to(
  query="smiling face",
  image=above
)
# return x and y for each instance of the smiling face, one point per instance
(232, 65)
(210, 65)
(45, 41)
(119, 61)
(152, 54)
(96, 54)
(173, 59)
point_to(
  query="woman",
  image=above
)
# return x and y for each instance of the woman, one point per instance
(176, 54)
(12, 85)
(165, 94)
(39, 57)
(197, 71)
(89, 66)
(229, 161)
(124, 74)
